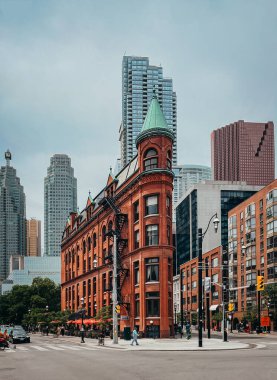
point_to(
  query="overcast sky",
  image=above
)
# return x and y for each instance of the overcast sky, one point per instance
(60, 77)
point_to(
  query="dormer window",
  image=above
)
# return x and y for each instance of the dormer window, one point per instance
(150, 159)
(168, 160)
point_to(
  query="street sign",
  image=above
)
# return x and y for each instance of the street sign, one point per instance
(124, 318)
(207, 284)
(265, 321)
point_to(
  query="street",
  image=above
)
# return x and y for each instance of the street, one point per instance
(66, 358)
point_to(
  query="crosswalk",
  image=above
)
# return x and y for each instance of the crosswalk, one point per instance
(50, 347)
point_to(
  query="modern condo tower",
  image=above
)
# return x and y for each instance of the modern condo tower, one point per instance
(12, 217)
(244, 151)
(139, 80)
(60, 199)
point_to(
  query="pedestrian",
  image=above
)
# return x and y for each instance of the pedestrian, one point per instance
(135, 337)
(47, 330)
(82, 334)
(62, 330)
(188, 330)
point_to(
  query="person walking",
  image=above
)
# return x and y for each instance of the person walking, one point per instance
(82, 334)
(135, 337)
(62, 330)
(188, 330)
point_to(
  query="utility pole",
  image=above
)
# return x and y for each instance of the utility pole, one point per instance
(208, 301)
(115, 315)
(200, 303)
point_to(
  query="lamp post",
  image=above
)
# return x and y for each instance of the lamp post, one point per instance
(201, 236)
(82, 325)
(175, 313)
(151, 325)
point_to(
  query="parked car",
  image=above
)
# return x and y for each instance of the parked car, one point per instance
(19, 335)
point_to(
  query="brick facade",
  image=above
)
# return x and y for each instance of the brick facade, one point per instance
(145, 246)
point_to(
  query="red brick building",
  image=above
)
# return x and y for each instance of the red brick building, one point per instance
(244, 151)
(137, 204)
(252, 248)
(212, 267)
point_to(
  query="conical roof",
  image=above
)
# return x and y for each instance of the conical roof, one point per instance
(154, 118)
(154, 123)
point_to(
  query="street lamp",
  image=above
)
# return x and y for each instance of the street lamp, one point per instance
(46, 308)
(151, 328)
(201, 236)
(82, 313)
(175, 313)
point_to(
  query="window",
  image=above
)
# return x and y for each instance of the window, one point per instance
(136, 272)
(89, 287)
(136, 211)
(152, 269)
(137, 305)
(194, 299)
(214, 262)
(168, 160)
(110, 281)
(94, 286)
(89, 243)
(168, 234)
(104, 282)
(84, 288)
(151, 205)
(193, 270)
(194, 284)
(152, 235)
(94, 240)
(152, 304)
(104, 234)
(215, 295)
(136, 242)
(215, 278)
(151, 159)
(168, 206)
(261, 204)
(84, 246)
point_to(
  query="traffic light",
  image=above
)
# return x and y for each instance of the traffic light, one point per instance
(231, 307)
(117, 309)
(260, 283)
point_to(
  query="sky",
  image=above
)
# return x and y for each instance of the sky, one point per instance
(60, 77)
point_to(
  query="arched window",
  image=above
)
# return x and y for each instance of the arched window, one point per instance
(104, 234)
(110, 226)
(94, 240)
(168, 160)
(89, 243)
(84, 246)
(150, 159)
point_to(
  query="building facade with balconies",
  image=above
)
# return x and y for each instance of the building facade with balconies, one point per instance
(136, 207)
(252, 248)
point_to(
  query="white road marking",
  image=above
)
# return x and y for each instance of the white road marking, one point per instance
(22, 348)
(39, 348)
(70, 348)
(54, 347)
(89, 348)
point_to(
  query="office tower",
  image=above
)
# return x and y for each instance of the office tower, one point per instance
(139, 80)
(33, 237)
(60, 199)
(187, 176)
(196, 208)
(12, 217)
(244, 151)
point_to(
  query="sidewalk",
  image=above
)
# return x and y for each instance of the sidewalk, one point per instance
(162, 344)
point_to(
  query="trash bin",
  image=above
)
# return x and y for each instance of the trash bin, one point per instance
(127, 333)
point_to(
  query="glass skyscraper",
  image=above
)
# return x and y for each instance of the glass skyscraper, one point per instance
(139, 80)
(60, 199)
(12, 217)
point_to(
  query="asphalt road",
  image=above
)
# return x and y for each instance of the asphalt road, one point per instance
(48, 358)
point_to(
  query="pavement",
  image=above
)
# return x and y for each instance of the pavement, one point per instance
(66, 358)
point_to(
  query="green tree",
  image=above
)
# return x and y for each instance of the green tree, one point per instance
(105, 316)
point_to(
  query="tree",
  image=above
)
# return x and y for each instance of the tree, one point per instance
(105, 316)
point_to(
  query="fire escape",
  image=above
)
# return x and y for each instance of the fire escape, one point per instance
(122, 270)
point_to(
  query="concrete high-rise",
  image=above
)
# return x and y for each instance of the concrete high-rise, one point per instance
(60, 199)
(33, 237)
(187, 176)
(12, 217)
(244, 151)
(139, 80)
